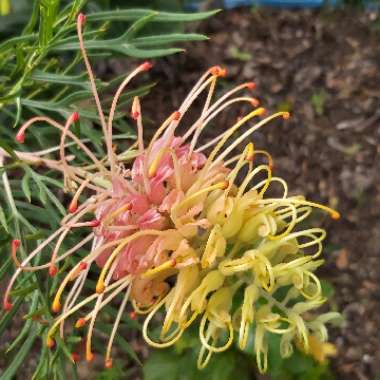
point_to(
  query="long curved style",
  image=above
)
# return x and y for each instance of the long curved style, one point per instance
(178, 213)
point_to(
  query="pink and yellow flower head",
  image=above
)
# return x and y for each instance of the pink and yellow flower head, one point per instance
(185, 233)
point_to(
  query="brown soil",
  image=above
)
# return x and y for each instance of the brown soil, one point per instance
(323, 67)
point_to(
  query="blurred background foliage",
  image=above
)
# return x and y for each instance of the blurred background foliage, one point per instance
(41, 73)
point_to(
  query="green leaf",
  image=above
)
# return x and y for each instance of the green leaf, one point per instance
(73, 80)
(3, 220)
(139, 24)
(327, 289)
(26, 187)
(164, 39)
(133, 14)
(161, 365)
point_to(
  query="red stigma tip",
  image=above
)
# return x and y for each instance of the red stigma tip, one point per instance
(80, 323)
(82, 265)
(75, 357)
(75, 116)
(174, 262)
(176, 115)
(53, 270)
(146, 66)
(81, 19)
(94, 223)
(7, 306)
(108, 363)
(133, 315)
(20, 137)
(135, 115)
(73, 207)
(15, 243)
(251, 85)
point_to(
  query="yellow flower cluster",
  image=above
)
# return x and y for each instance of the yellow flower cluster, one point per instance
(253, 269)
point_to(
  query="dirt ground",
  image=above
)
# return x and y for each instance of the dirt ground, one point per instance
(323, 67)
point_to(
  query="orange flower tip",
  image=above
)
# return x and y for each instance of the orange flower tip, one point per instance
(53, 270)
(50, 343)
(108, 363)
(100, 288)
(75, 357)
(250, 85)
(56, 307)
(89, 356)
(73, 207)
(80, 323)
(249, 156)
(135, 115)
(146, 66)
(174, 262)
(7, 306)
(271, 166)
(255, 102)
(133, 315)
(20, 137)
(224, 185)
(81, 19)
(95, 223)
(83, 265)
(176, 115)
(286, 115)
(218, 71)
(75, 117)
(335, 215)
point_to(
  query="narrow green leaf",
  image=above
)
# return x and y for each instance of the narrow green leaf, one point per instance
(3, 221)
(168, 39)
(73, 80)
(139, 24)
(143, 54)
(25, 187)
(27, 326)
(134, 14)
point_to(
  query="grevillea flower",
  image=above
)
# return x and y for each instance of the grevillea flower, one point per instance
(190, 236)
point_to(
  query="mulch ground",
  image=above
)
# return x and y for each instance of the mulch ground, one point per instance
(323, 67)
